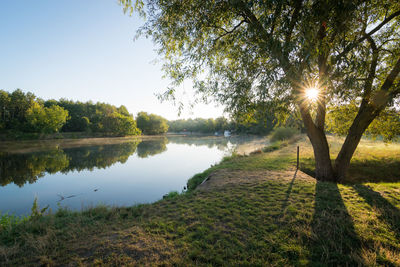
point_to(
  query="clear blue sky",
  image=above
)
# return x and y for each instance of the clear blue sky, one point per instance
(83, 50)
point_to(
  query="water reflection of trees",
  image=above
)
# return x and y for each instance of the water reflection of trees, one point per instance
(152, 147)
(28, 167)
(22, 168)
(210, 142)
(100, 157)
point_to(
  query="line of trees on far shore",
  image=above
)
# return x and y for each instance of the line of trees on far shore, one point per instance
(24, 112)
(220, 124)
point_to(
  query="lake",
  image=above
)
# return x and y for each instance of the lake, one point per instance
(111, 171)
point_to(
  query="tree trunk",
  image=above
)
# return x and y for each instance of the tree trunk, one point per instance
(323, 164)
(363, 119)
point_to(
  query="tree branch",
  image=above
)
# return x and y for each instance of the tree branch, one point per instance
(323, 77)
(365, 36)
(228, 32)
(278, 11)
(276, 50)
(383, 96)
(371, 74)
(293, 20)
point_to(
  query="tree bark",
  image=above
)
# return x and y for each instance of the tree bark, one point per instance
(366, 114)
(363, 119)
(323, 164)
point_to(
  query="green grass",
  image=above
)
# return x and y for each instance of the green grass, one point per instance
(253, 211)
(373, 161)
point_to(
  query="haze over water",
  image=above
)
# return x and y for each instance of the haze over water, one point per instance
(124, 173)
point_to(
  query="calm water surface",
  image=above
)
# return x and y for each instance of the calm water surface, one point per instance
(119, 173)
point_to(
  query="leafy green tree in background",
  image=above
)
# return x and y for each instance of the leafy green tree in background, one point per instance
(199, 125)
(97, 117)
(120, 124)
(151, 123)
(386, 125)
(23, 112)
(243, 53)
(46, 120)
(13, 108)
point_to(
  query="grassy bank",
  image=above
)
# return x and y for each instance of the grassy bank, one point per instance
(253, 210)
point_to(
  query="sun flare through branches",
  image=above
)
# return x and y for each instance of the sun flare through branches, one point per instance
(312, 94)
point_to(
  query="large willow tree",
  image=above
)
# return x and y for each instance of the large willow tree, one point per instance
(248, 53)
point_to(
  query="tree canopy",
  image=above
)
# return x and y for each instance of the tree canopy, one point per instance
(24, 112)
(247, 54)
(46, 120)
(151, 123)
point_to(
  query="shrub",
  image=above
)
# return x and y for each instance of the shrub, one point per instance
(170, 195)
(282, 133)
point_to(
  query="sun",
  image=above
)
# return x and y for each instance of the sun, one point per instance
(312, 93)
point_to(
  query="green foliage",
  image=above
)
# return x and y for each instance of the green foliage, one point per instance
(171, 195)
(21, 113)
(151, 123)
(199, 125)
(197, 179)
(386, 125)
(98, 117)
(13, 108)
(46, 120)
(120, 124)
(36, 212)
(264, 55)
(256, 124)
(282, 133)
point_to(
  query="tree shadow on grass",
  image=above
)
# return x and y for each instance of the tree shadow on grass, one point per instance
(363, 170)
(387, 212)
(288, 191)
(374, 170)
(334, 241)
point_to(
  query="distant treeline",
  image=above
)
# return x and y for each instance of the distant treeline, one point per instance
(24, 112)
(200, 125)
(220, 124)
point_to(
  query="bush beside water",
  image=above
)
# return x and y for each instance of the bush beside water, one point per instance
(283, 133)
